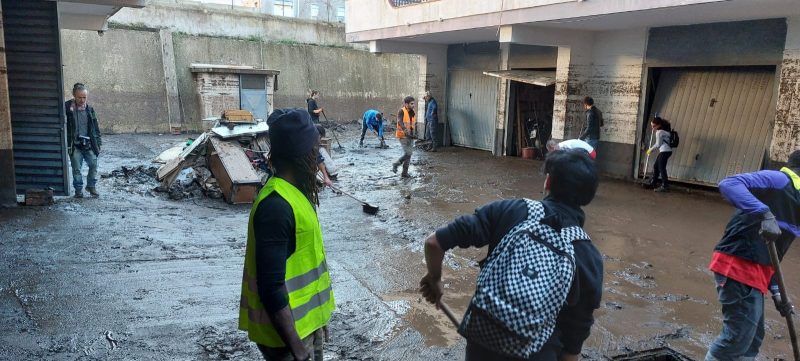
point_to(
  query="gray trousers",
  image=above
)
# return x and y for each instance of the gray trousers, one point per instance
(408, 150)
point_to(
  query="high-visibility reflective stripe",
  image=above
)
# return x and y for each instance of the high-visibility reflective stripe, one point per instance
(261, 317)
(316, 300)
(795, 178)
(307, 278)
(292, 284)
(255, 316)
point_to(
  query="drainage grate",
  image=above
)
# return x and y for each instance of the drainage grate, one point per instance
(657, 354)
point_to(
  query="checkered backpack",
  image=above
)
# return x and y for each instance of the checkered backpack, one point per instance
(522, 286)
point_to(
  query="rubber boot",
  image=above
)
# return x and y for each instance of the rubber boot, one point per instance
(394, 167)
(78, 193)
(92, 191)
(405, 171)
(383, 144)
(361, 143)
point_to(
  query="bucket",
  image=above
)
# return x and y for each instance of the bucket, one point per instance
(528, 153)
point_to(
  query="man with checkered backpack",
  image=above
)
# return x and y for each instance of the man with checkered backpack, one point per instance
(542, 278)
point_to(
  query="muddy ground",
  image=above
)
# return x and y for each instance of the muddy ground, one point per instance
(134, 275)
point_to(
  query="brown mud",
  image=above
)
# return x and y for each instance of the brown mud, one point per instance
(135, 275)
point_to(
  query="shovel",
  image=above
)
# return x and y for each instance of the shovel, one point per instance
(776, 264)
(365, 207)
(449, 313)
(332, 131)
(647, 159)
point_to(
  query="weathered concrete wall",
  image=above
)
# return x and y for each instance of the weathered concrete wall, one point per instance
(786, 133)
(532, 57)
(757, 42)
(124, 73)
(202, 19)
(351, 81)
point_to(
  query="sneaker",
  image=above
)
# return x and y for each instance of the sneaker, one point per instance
(662, 189)
(92, 191)
(78, 194)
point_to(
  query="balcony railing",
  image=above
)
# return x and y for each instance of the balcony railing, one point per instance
(402, 3)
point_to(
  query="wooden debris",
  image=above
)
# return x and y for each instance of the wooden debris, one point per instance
(39, 197)
(235, 175)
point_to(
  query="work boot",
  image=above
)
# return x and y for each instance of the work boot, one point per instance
(92, 191)
(662, 189)
(383, 144)
(78, 193)
(394, 167)
(361, 143)
(405, 172)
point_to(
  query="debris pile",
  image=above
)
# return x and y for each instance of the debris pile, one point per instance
(229, 161)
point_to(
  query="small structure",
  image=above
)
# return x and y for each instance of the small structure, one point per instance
(226, 87)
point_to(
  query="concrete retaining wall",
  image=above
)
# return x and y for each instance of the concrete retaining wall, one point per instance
(129, 88)
(786, 134)
(351, 81)
(124, 73)
(206, 19)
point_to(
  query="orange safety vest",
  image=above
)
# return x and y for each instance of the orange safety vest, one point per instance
(408, 121)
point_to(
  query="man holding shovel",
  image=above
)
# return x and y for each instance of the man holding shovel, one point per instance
(509, 289)
(406, 123)
(768, 214)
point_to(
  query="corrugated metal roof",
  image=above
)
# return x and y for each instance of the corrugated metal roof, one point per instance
(535, 77)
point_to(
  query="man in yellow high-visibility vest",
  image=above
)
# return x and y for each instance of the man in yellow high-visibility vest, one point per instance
(405, 132)
(287, 299)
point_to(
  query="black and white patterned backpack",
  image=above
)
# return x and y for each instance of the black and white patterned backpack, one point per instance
(522, 286)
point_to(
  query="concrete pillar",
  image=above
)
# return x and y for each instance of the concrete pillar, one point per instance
(432, 77)
(174, 110)
(786, 132)
(502, 102)
(8, 188)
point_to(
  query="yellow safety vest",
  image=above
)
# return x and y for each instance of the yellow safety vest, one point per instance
(308, 282)
(408, 122)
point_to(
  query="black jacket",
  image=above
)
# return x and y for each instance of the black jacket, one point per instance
(94, 129)
(488, 225)
(591, 129)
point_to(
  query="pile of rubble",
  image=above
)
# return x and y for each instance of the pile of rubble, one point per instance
(228, 161)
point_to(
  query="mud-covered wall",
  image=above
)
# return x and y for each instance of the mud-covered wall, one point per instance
(124, 72)
(215, 20)
(786, 133)
(351, 81)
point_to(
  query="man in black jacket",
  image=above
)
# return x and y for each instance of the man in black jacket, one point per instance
(572, 182)
(83, 140)
(594, 120)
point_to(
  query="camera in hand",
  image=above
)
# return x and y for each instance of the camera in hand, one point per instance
(83, 142)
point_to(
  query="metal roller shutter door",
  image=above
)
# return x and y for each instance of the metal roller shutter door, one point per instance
(471, 108)
(723, 116)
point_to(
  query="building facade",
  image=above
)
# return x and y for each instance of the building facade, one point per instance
(33, 150)
(509, 75)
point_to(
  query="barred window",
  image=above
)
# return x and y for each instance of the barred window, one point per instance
(401, 3)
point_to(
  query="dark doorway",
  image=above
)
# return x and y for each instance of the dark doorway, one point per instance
(530, 118)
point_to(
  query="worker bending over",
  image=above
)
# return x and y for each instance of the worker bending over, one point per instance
(372, 120)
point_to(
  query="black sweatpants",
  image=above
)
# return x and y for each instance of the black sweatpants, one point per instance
(660, 169)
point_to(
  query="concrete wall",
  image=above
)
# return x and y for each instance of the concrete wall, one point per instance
(786, 133)
(8, 183)
(202, 19)
(532, 57)
(351, 81)
(124, 73)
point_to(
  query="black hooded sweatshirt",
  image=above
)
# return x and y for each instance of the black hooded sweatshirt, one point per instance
(488, 225)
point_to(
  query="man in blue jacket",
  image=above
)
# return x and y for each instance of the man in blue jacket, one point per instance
(767, 210)
(431, 119)
(372, 120)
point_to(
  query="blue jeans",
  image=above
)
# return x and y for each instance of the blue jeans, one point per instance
(430, 131)
(76, 159)
(742, 321)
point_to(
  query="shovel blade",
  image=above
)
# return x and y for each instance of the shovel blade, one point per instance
(369, 209)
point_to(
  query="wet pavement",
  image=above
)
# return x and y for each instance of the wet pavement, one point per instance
(133, 275)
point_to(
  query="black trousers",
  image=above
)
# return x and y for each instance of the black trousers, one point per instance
(660, 169)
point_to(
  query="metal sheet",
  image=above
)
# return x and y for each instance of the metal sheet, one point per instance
(254, 101)
(534, 77)
(723, 116)
(33, 56)
(472, 108)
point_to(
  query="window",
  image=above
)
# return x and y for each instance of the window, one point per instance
(399, 3)
(313, 11)
(340, 14)
(283, 8)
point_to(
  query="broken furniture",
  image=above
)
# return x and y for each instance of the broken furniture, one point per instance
(235, 175)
